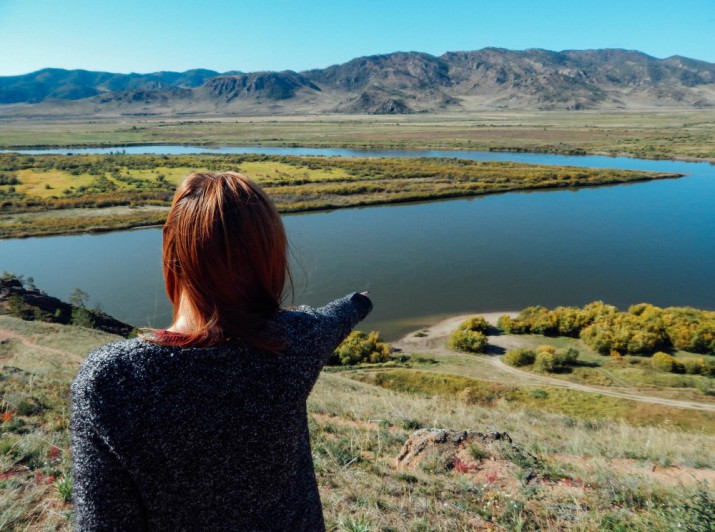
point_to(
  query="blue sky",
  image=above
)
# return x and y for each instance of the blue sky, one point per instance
(147, 36)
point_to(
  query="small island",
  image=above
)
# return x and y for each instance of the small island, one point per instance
(61, 194)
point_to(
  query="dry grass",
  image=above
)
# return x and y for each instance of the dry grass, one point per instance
(593, 474)
(358, 431)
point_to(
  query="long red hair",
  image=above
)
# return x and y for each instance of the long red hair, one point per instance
(225, 256)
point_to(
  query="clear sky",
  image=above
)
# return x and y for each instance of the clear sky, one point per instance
(151, 35)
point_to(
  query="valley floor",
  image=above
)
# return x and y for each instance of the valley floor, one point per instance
(647, 133)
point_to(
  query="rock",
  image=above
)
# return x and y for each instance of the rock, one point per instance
(446, 442)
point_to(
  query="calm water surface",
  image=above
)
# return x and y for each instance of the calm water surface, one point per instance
(623, 244)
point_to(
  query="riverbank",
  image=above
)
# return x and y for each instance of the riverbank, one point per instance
(674, 134)
(624, 385)
(53, 194)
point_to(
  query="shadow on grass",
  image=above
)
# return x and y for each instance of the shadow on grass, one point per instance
(494, 350)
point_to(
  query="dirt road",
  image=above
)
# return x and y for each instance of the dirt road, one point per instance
(436, 337)
(11, 335)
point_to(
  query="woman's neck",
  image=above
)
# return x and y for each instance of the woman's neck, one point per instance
(185, 318)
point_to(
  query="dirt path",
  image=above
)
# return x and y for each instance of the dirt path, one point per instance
(436, 336)
(11, 335)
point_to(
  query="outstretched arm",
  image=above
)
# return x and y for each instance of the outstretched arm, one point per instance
(318, 331)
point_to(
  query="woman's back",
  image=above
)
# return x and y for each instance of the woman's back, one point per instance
(211, 438)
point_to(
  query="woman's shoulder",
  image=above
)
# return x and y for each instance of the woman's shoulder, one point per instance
(110, 363)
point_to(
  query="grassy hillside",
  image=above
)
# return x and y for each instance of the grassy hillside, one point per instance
(564, 470)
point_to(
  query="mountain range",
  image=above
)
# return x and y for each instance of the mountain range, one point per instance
(396, 83)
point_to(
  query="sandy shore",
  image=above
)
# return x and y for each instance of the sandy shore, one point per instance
(436, 335)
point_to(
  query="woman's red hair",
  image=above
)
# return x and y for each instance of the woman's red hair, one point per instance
(225, 256)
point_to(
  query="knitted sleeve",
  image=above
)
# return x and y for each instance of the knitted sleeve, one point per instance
(331, 324)
(105, 497)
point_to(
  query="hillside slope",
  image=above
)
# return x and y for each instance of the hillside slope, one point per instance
(479, 466)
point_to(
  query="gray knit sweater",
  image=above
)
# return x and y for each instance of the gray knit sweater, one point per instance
(167, 438)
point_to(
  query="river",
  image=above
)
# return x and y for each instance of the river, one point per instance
(622, 244)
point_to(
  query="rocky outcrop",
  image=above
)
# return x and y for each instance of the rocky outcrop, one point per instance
(30, 304)
(266, 85)
(445, 444)
(488, 457)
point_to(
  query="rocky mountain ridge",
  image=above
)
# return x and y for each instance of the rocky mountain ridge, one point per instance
(396, 83)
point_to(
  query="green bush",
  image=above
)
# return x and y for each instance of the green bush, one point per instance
(694, 366)
(643, 329)
(545, 362)
(709, 367)
(359, 348)
(552, 360)
(467, 341)
(520, 357)
(476, 324)
(507, 324)
(82, 317)
(665, 362)
(566, 357)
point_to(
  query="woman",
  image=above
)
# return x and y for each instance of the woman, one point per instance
(204, 425)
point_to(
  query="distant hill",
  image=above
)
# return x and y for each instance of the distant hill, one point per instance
(397, 83)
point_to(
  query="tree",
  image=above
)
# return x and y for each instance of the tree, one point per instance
(79, 298)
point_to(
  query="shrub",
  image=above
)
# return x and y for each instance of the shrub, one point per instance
(16, 307)
(467, 341)
(566, 357)
(507, 324)
(643, 329)
(546, 349)
(519, 357)
(475, 323)
(694, 366)
(665, 362)
(360, 347)
(570, 321)
(82, 317)
(539, 320)
(550, 360)
(545, 361)
(709, 368)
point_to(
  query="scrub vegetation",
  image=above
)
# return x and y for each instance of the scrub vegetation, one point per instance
(642, 330)
(53, 194)
(470, 336)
